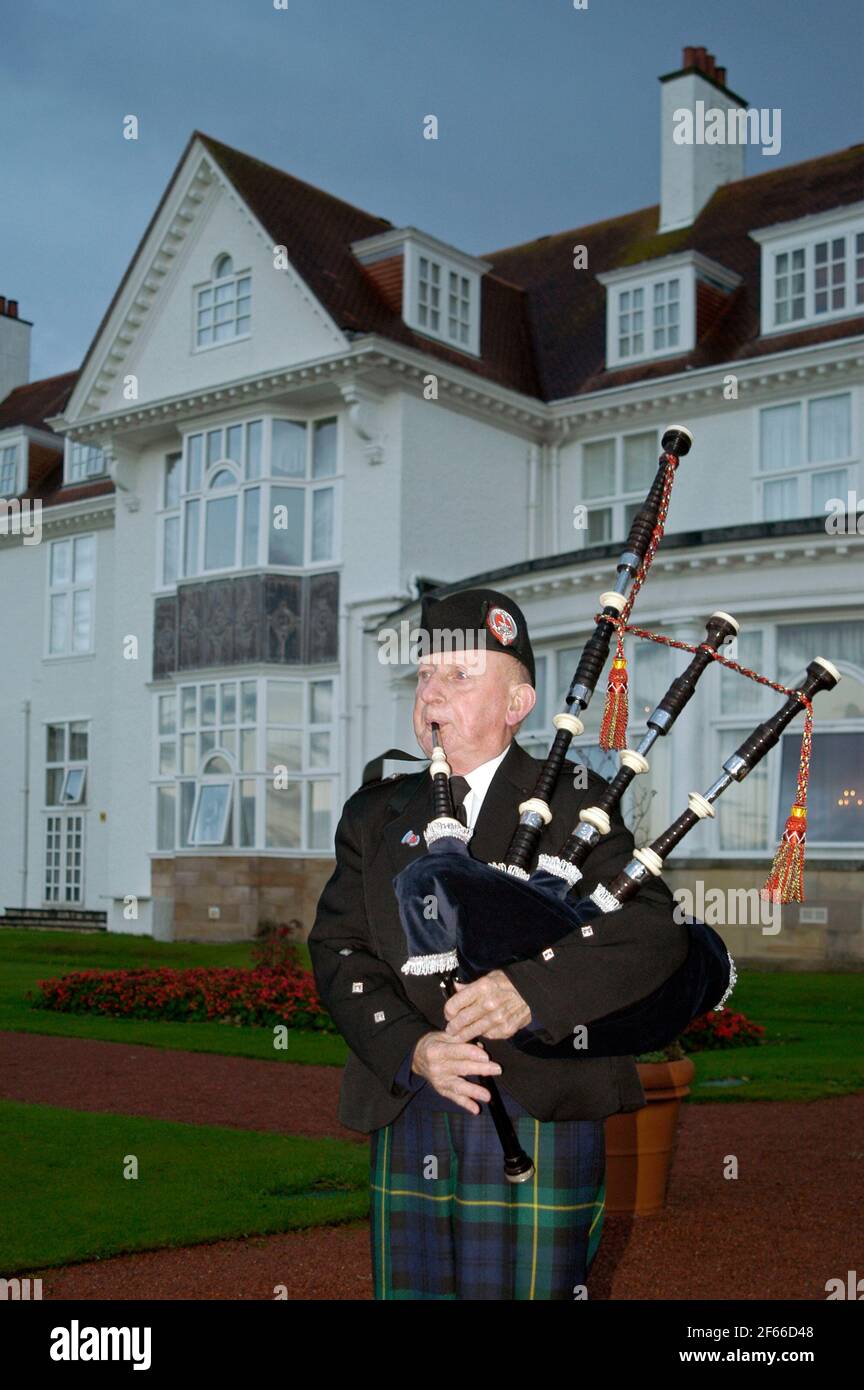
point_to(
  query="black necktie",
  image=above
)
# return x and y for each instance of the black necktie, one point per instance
(460, 787)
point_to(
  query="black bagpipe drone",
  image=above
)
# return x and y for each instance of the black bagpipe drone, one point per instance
(490, 915)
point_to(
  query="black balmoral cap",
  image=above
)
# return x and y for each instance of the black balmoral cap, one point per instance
(489, 617)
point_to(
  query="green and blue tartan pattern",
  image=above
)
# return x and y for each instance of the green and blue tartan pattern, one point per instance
(445, 1223)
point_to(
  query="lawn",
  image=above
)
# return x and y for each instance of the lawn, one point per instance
(814, 1021)
(28, 956)
(195, 1183)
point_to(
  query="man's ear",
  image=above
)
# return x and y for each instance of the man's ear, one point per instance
(523, 698)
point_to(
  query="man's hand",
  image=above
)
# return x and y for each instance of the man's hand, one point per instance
(490, 1007)
(445, 1065)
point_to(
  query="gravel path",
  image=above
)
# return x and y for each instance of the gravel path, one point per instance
(787, 1223)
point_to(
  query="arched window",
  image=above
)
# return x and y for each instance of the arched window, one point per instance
(220, 519)
(211, 815)
(223, 307)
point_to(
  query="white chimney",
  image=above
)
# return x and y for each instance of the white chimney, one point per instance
(691, 171)
(14, 347)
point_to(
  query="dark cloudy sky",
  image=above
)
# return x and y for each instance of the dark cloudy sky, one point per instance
(548, 115)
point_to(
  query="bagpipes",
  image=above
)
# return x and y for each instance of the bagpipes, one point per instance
(489, 916)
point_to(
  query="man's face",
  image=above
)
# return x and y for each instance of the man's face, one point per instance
(471, 695)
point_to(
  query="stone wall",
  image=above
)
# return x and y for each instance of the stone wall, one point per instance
(246, 889)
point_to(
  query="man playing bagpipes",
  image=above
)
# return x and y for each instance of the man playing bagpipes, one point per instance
(445, 1221)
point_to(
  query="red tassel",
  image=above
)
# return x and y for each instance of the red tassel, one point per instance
(613, 729)
(785, 882)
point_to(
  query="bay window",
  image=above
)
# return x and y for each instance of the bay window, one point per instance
(247, 763)
(252, 494)
(805, 456)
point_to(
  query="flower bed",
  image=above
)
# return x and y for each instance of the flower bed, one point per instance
(723, 1029)
(263, 996)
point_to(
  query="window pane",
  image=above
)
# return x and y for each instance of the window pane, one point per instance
(85, 556)
(284, 702)
(253, 449)
(188, 753)
(738, 695)
(228, 708)
(284, 749)
(208, 706)
(780, 443)
(219, 541)
(827, 487)
(57, 638)
(640, 461)
(56, 743)
(321, 707)
(247, 750)
(289, 449)
(251, 513)
(599, 525)
(78, 742)
(210, 817)
(283, 816)
(187, 801)
(53, 785)
(743, 814)
(61, 558)
(171, 496)
(248, 702)
(171, 550)
(167, 714)
(234, 443)
(286, 526)
(167, 757)
(322, 524)
(190, 545)
(214, 446)
(319, 750)
(247, 813)
(320, 804)
(324, 449)
(206, 743)
(780, 499)
(166, 800)
(598, 469)
(81, 620)
(193, 467)
(829, 429)
(189, 706)
(228, 740)
(835, 796)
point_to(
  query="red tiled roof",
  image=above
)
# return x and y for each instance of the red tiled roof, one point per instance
(568, 307)
(34, 403)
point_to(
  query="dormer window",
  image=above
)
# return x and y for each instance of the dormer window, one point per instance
(436, 287)
(652, 308)
(223, 306)
(812, 270)
(9, 459)
(83, 461)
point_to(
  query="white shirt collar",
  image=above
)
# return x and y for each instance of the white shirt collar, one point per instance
(478, 780)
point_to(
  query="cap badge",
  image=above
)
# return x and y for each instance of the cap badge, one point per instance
(502, 625)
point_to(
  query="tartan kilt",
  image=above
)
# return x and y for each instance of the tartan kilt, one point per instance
(446, 1224)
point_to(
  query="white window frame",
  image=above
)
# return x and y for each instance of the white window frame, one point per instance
(619, 501)
(212, 284)
(265, 482)
(807, 471)
(18, 442)
(805, 234)
(72, 449)
(448, 265)
(70, 589)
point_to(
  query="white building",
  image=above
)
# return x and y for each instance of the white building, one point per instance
(294, 417)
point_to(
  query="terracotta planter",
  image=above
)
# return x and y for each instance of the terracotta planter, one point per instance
(640, 1145)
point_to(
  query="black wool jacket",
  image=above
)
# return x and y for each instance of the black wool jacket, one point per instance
(357, 945)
